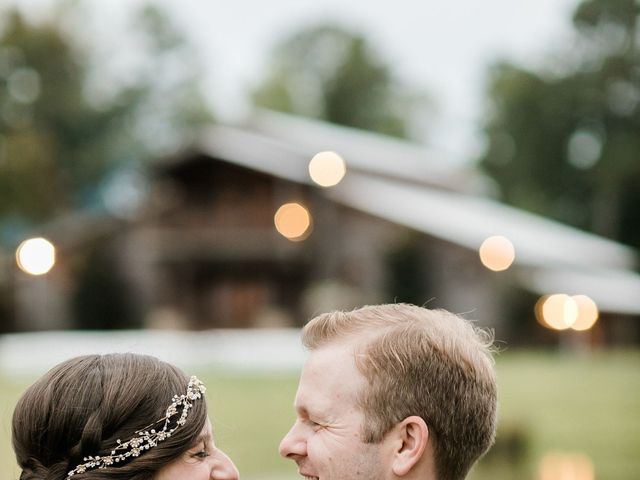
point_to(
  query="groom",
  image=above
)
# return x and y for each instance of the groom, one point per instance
(393, 392)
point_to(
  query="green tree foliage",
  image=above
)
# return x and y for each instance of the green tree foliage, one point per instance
(329, 73)
(58, 140)
(566, 144)
(173, 108)
(47, 131)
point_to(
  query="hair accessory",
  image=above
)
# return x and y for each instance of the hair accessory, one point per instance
(147, 437)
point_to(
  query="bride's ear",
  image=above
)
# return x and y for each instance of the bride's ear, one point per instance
(410, 443)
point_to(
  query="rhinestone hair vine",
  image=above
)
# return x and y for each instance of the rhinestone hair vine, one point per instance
(147, 437)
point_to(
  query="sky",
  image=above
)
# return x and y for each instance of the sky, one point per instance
(441, 47)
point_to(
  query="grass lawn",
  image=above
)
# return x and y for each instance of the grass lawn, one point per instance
(575, 404)
(558, 402)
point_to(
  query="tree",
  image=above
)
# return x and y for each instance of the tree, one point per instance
(564, 143)
(58, 142)
(47, 129)
(329, 73)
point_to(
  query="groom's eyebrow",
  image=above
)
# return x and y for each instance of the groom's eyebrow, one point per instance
(300, 408)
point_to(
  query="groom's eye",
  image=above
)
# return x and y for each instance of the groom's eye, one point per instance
(313, 424)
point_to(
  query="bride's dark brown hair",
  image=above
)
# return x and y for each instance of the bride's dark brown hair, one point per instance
(84, 405)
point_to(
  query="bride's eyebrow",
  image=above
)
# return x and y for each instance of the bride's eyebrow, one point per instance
(203, 438)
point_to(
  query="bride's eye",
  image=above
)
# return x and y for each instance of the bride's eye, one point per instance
(201, 454)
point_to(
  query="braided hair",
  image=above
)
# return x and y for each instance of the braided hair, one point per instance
(81, 408)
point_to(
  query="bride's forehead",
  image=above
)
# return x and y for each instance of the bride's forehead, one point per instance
(207, 430)
(206, 434)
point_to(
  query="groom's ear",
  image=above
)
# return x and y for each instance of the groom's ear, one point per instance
(409, 443)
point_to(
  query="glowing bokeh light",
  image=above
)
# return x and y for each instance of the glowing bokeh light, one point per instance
(584, 149)
(327, 169)
(538, 311)
(497, 253)
(24, 85)
(587, 313)
(293, 221)
(566, 466)
(36, 256)
(558, 311)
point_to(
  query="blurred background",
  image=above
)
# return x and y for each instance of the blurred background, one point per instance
(195, 181)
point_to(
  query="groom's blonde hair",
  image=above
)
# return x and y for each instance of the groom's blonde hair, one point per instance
(429, 363)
